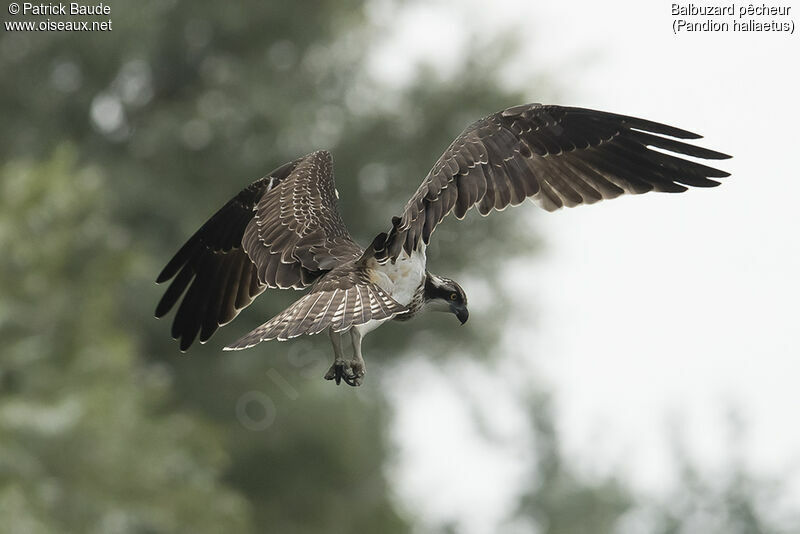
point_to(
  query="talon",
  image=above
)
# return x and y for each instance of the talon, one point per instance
(356, 376)
(351, 371)
(357, 368)
(354, 381)
(337, 372)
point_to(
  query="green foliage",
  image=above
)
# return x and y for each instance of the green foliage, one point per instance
(729, 499)
(733, 502)
(177, 109)
(561, 500)
(117, 146)
(85, 445)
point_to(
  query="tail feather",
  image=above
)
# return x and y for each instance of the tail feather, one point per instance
(339, 309)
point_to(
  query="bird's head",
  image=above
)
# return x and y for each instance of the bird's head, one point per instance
(443, 294)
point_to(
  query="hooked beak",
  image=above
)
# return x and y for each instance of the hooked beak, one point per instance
(462, 313)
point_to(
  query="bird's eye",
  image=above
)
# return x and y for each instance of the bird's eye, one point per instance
(453, 296)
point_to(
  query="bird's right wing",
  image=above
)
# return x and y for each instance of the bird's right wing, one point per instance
(281, 231)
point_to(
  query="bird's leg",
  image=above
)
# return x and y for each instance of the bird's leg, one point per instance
(340, 368)
(357, 365)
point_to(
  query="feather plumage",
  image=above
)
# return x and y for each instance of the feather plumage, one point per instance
(281, 231)
(557, 156)
(285, 231)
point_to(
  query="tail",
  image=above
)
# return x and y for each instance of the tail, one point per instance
(338, 309)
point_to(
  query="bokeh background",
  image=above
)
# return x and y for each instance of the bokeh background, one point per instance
(628, 367)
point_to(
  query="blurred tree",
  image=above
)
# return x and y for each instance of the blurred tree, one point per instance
(85, 446)
(729, 498)
(104, 427)
(561, 500)
(179, 107)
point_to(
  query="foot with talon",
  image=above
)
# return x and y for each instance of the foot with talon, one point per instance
(341, 370)
(351, 371)
(357, 371)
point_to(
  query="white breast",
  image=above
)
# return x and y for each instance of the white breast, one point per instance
(402, 278)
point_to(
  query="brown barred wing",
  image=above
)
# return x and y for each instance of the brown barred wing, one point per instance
(297, 227)
(281, 231)
(342, 299)
(556, 156)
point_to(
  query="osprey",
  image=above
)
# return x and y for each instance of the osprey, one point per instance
(284, 230)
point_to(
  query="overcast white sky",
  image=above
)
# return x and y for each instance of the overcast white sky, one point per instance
(652, 310)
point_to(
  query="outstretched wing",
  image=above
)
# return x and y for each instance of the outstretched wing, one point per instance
(281, 231)
(342, 298)
(557, 156)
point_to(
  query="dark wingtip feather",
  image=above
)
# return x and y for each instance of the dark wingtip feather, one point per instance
(697, 181)
(174, 291)
(712, 154)
(637, 123)
(679, 147)
(166, 273)
(179, 259)
(163, 308)
(187, 340)
(660, 128)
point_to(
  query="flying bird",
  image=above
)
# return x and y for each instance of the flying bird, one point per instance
(284, 230)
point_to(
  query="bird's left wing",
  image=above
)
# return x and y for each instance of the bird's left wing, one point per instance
(282, 231)
(557, 156)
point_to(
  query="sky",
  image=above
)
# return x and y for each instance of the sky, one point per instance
(653, 314)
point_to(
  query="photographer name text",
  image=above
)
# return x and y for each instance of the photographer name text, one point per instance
(44, 17)
(73, 8)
